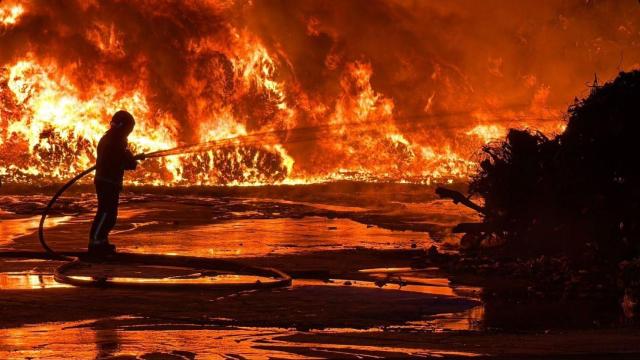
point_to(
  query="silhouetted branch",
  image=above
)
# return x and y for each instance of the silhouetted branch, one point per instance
(458, 197)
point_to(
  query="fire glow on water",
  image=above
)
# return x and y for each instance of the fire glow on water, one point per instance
(199, 71)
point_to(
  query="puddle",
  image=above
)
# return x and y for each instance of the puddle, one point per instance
(330, 207)
(11, 229)
(427, 280)
(122, 273)
(27, 281)
(134, 226)
(126, 213)
(419, 281)
(470, 320)
(128, 336)
(423, 289)
(169, 228)
(233, 238)
(260, 237)
(160, 275)
(391, 270)
(220, 279)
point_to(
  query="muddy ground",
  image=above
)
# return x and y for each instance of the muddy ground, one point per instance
(362, 283)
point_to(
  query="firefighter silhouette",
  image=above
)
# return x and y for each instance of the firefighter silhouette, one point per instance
(113, 159)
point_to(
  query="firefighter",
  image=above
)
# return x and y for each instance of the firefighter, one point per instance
(113, 159)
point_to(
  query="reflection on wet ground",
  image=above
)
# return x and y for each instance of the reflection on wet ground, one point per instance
(271, 237)
(135, 338)
(330, 207)
(471, 319)
(226, 227)
(337, 253)
(145, 338)
(424, 289)
(356, 292)
(27, 281)
(160, 275)
(10, 229)
(233, 228)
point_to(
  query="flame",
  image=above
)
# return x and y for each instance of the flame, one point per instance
(9, 14)
(327, 102)
(59, 129)
(488, 133)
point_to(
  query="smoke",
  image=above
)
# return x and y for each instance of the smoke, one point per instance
(448, 66)
(469, 53)
(422, 72)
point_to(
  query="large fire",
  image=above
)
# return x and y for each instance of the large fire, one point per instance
(405, 92)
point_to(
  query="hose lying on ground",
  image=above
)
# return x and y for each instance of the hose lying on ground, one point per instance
(53, 200)
(276, 278)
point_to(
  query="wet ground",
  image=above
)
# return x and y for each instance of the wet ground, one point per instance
(360, 289)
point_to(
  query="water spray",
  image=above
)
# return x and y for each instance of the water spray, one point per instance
(316, 132)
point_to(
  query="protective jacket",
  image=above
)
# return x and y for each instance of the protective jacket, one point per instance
(114, 158)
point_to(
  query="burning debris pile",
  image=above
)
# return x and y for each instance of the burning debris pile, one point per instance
(400, 93)
(577, 194)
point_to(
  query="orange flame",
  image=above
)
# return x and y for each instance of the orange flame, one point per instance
(9, 14)
(225, 72)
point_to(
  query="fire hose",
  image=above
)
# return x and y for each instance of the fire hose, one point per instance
(270, 277)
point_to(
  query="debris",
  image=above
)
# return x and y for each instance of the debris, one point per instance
(576, 194)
